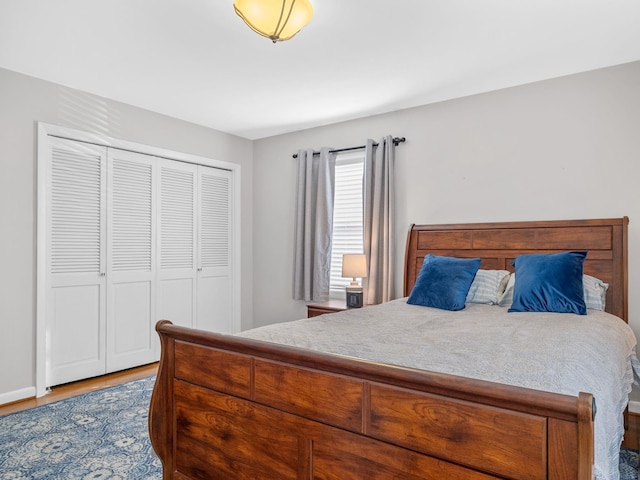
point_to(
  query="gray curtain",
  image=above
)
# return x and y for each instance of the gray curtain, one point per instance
(378, 193)
(314, 225)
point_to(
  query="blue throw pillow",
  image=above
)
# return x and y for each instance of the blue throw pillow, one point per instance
(443, 282)
(549, 283)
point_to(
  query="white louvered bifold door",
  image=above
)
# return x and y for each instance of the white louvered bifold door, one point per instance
(176, 299)
(75, 261)
(129, 239)
(131, 227)
(214, 294)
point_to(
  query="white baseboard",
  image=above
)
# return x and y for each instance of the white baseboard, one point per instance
(16, 395)
(634, 406)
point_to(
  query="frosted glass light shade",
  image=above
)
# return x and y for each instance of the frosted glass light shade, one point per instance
(354, 265)
(277, 20)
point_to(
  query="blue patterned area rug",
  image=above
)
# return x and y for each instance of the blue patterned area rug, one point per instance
(103, 435)
(628, 464)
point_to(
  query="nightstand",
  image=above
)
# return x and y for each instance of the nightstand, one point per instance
(332, 306)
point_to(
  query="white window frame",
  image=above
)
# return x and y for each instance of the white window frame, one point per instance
(347, 212)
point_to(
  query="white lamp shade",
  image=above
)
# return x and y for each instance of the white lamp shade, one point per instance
(275, 19)
(354, 265)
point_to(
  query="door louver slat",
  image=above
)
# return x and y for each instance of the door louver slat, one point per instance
(214, 218)
(75, 212)
(176, 221)
(131, 233)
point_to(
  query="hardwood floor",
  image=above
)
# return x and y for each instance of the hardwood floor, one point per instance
(77, 388)
(631, 437)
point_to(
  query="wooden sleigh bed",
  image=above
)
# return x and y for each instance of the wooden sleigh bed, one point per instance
(226, 407)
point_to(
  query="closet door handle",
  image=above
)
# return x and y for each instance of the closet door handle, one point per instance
(103, 274)
(200, 269)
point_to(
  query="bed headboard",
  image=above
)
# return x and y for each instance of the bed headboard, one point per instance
(497, 244)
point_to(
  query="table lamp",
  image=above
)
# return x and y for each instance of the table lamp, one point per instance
(354, 265)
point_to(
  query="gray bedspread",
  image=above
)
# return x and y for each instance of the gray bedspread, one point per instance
(562, 353)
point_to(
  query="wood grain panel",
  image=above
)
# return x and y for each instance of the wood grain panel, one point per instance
(504, 239)
(560, 448)
(567, 238)
(216, 369)
(508, 443)
(219, 436)
(327, 398)
(568, 437)
(603, 269)
(445, 239)
(494, 263)
(344, 456)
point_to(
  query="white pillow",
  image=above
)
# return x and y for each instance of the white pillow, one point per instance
(595, 292)
(506, 299)
(487, 287)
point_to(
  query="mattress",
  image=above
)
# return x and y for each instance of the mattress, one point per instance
(561, 353)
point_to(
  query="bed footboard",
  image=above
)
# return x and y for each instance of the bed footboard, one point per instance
(234, 408)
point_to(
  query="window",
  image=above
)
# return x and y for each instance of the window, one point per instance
(347, 217)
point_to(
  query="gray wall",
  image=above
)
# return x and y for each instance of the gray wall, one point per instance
(559, 149)
(24, 101)
(566, 148)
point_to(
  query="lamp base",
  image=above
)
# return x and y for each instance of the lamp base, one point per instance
(354, 297)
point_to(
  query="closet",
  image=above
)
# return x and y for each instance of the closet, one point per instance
(130, 238)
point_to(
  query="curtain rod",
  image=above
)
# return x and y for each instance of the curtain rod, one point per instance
(396, 142)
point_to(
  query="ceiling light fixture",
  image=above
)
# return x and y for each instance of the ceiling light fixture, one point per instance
(277, 20)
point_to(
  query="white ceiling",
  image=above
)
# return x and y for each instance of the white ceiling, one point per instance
(196, 60)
